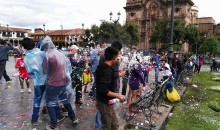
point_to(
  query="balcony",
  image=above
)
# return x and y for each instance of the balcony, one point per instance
(6, 35)
(21, 36)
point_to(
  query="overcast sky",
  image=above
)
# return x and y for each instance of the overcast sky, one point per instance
(72, 13)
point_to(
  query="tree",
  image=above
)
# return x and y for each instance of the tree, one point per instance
(109, 32)
(192, 37)
(181, 33)
(161, 32)
(131, 34)
(210, 44)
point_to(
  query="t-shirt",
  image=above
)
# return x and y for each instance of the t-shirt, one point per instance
(22, 70)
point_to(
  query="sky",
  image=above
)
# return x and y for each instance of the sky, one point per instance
(72, 13)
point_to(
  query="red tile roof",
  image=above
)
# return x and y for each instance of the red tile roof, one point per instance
(65, 32)
(11, 29)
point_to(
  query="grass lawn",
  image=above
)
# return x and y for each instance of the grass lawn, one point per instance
(193, 111)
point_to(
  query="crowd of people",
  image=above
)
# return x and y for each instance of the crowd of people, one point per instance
(64, 77)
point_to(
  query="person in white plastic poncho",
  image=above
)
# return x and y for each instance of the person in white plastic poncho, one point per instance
(58, 83)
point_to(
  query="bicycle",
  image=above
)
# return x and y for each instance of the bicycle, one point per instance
(150, 98)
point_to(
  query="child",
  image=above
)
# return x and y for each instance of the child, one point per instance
(86, 77)
(23, 75)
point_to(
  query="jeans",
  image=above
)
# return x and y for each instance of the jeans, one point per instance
(2, 68)
(77, 83)
(146, 76)
(156, 74)
(38, 94)
(93, 89)
(98, 120)
(5, 75)
(55, 94)
(124, 85)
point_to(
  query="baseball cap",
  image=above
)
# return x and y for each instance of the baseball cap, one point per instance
(74, 47)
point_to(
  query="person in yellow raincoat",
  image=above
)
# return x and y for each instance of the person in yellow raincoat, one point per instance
(86, 76)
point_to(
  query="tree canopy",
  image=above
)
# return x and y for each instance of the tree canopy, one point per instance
(181, 33)
(108, 32)
(210, 44)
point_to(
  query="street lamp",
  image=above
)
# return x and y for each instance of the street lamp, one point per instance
(82, 25)
(44, 29)
(170, 49)
(115, 21)
(61, 26)
(196, 25)
(7, 31)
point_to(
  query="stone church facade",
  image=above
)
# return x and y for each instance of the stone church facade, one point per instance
(147, 12)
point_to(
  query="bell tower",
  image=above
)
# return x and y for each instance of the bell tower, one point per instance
(134, 13)
(146, 13)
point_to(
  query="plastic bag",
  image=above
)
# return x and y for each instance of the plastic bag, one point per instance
(173, 96)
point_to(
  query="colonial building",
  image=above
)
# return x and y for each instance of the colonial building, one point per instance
(61, 38)
(13, 35)
(208, 27)
(217, 31)
(147, 12)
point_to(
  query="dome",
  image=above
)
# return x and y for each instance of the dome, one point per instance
(195, 8)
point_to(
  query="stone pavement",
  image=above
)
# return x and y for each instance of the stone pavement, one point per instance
(16, 109)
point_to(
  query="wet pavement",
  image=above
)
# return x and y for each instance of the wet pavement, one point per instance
(16, 108)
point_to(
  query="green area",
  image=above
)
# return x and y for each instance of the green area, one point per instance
(199, 107)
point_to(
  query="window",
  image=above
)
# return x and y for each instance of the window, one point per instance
(132, 14)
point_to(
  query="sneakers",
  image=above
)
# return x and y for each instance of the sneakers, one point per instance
(29, 90)
(9, 81)
(34, 123)
(61, 117)
(78, 102)
(75, 121)
(22, 90)
(49, 127)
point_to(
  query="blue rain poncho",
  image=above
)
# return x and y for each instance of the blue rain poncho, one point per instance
(33, 63)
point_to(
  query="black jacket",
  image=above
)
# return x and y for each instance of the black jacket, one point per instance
(104, 82)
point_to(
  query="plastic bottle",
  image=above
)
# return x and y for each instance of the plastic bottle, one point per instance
(115, 100)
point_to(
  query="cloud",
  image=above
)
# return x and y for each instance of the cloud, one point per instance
(53, 13)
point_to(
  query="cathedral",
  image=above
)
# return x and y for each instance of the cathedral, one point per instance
(146, 13)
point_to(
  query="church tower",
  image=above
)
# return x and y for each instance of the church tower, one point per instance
(147, 12)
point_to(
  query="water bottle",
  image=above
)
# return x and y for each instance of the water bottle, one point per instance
(115, 100)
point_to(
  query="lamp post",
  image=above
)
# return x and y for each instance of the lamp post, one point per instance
(82, 25)
(44, 29)
(116, 20)
(170, 49)
(196, 25)
(7, 31)
(62, 38)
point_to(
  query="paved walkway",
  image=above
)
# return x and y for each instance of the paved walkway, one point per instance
(16, 109)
